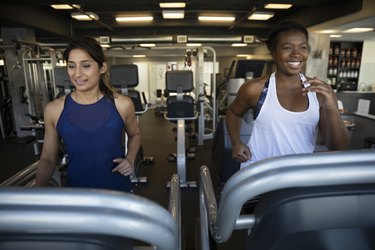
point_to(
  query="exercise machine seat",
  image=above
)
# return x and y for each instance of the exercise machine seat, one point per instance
(180, 108)
(326, 218)
(180, 105)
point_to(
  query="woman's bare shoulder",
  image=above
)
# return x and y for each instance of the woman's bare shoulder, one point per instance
(254, 87)
(122, 99)
(124, 104)
(56, 103)
(54, 108)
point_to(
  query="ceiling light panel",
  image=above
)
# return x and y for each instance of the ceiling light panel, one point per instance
(328, 31)
(65, 6)
(172, 5)
(147, 44)
(173, 14)
(134, 18)
(233, 39)
(217, 18)
(193, 44)
(358, 30)
(279, 6)
(261, 15)
(239, 44)
(87, 16)
(143, 39)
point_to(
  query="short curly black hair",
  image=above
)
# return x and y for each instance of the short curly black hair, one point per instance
(284, 26)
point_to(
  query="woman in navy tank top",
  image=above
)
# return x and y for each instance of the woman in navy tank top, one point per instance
(293, 107)
(90, 121)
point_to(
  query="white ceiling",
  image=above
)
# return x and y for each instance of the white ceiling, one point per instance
(364, 18)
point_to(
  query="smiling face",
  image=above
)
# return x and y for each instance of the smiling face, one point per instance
(84, 72)
(291, 52)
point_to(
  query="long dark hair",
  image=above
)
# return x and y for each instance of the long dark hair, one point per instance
(284, 26)
(95, 51)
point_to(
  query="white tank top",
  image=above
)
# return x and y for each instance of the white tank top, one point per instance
(278, 131)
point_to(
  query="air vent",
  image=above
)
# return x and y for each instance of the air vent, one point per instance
(181, 39)
(104, 40)
(248, 39)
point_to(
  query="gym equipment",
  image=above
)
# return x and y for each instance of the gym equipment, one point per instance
(233, 86)
(55, 218)
(125, 77)
(174, 206)
(370, 142)
(38, 73)
(160, 101)
(37, 134)
(222, 160)
(26, 177)
(180, 108)
(205, 104)
(308, 201)
(62, 81)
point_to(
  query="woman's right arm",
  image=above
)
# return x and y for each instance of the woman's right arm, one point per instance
(246, 98)
(240, 152)
(48, 159)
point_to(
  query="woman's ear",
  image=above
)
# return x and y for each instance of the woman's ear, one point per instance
(103, 69)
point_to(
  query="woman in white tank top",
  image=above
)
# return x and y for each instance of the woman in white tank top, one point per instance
(289, 108)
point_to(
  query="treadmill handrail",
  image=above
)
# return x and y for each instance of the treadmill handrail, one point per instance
(22, 176)
(304, 170)
(76, 211)
(26, 177)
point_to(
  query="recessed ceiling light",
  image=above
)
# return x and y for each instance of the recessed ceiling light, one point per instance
(134, 18)
(278, 6)
(147, 44)
(335, 35)
(173, 14)
(193, 44)
(87, 16)
(233, 39)
(143, 39)
(65, 6)
(217, 18)
(243, 55)
(261, 15)
(239, 44)
(172, 5)
(328, 31)
(139, 56)
(358, 30)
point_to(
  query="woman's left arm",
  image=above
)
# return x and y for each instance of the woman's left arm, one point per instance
(333, 131)
(126, 109)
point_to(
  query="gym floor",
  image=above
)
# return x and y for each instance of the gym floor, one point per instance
(158, 140)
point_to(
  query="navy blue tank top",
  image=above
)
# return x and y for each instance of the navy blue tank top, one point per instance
(93, 137)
